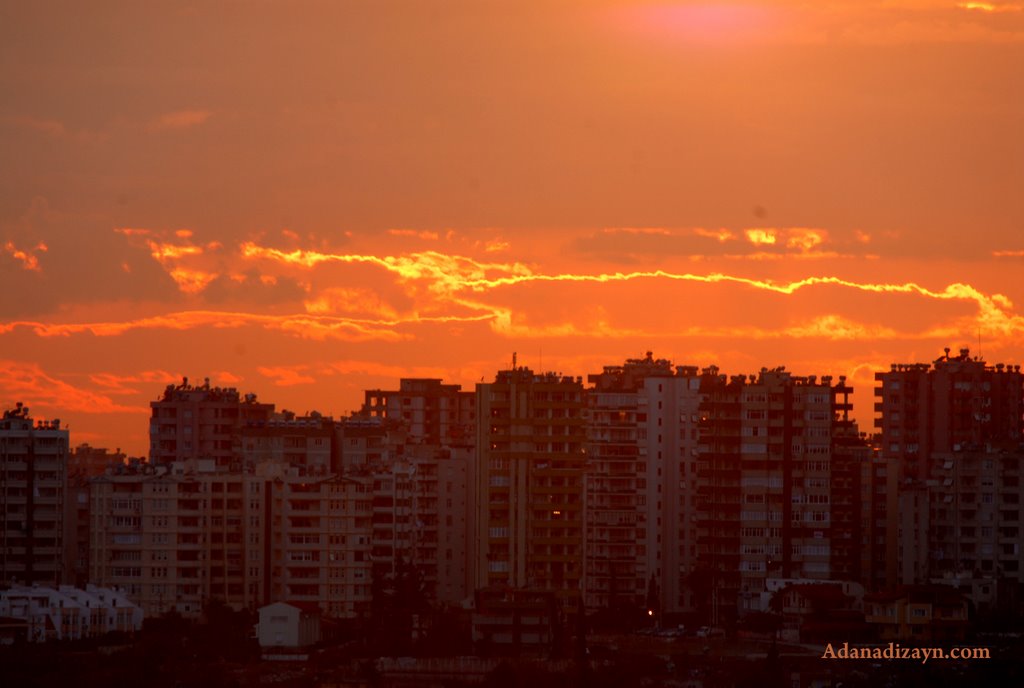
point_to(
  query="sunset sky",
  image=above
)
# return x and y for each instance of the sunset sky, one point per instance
(309, 199)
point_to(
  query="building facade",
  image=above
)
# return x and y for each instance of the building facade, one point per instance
(765, 492)
(529, 485)
(956, 403)
(33, 485)
(642, 439)
(196, 422)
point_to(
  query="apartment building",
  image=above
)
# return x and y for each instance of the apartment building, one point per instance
(975, 537)
(642, 439)
(365, 442)
(193, 422)
(432, 412)
(880, 522)
(175, 539)
(529, 489)
(956, 403)
(308, 441)
(33, 484)
(421, 515)
(764, 485)
(320, 541)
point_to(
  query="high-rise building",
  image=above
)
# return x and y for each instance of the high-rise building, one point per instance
(765, 493)
(975, 538)
(84, 464)
(432, 412)
(33, 484)
(200, 422)
(956, 403)
(420, 520)
(529, 483)
(642, 438)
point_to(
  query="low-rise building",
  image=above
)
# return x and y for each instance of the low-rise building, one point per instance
(68, 613)
(287, 628)
(922, 613)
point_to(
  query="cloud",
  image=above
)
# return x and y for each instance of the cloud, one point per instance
(29, 383)
(183, 261)
(989, 7)
(1008, 254)
(451, 278)
(117, 384)
(27, 257)
(720, 235)
(179, 119)
(418, 234)
(251, 288)
(761, 237)
(84, 263)
(285, 376)
(858, 22)
(496, 246)
(301, 325)
(360, 300)
(805, 239)
(191, 281)
(56, 129)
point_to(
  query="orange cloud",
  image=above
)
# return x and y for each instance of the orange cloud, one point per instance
(306, 326)
(191, 281)
(29, 383)
(760, 237)
(284, 376)
(57, 129)
(120, 384)
(449, 276)
(27, 258)
(988, 7)
(496, 246)
(805, 239)
(344, 300)
(721, 235)
(180, 119)
(638, 230)
(1008, 254)
(838, 327)
(224, 377)
(419, 234)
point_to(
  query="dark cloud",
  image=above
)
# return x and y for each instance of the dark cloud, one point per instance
(84, 262)
(253, 290)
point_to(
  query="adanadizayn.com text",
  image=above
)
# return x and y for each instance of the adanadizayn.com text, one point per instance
(893, 651)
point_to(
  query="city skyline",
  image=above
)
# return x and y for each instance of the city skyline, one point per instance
(308, 202)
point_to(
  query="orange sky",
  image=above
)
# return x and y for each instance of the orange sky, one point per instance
(308, 199)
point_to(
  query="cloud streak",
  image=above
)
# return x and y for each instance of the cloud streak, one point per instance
(29, 383)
